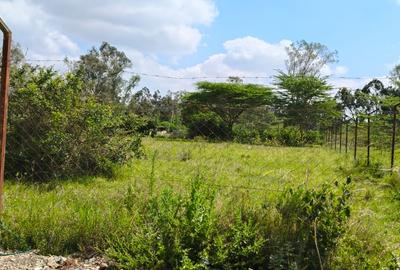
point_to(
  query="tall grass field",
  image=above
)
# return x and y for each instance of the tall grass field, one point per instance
(201, 205)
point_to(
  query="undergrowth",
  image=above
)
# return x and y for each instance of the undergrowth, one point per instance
(159, 214)
(172, 231)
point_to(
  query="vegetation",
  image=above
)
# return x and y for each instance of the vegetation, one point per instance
(212, 190)
(304, 102)
(223, 204)
(57, 129)
(219, 106)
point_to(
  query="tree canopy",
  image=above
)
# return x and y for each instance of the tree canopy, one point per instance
(227, 100)
(308, 59)
(102, 70)
(303, 100)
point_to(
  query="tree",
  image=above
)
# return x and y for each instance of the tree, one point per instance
(395, 77)
(370, 99)
(141, 103)
(234, 79)
(225, 102)
(155, 106)
(308, 59)
(346, 102)
(102, 70)
(303, 100)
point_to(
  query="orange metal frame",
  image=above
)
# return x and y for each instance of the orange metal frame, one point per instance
(5, 83)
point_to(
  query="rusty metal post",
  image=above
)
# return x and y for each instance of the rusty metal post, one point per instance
(393, 136)
(355, 138)
(368, 139)
(5, 83)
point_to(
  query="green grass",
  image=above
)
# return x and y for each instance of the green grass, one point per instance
(80, 215)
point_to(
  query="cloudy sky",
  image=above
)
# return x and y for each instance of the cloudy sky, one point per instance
(212, 38)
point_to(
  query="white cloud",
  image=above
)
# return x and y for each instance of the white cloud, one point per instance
(146, 31)
(247, 56)
(162, 27)
(32, 29)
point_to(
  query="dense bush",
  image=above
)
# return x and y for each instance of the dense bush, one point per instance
(292, 136)
(171, 231)
(243, 134)
(287, 136)
(205, 124)
(312, 222)
(54, 131)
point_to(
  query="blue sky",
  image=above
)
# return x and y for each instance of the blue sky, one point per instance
(211, 38)
(365, 33)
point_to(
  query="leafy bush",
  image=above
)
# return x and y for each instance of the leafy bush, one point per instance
(311, 225)
(292, 136)
(242, 246)
(55, 132)
(242, 134)
(206, 124)
(172, 232)
(187, 232)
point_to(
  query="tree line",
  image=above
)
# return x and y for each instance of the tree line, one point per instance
(299, 107)
(89, 118)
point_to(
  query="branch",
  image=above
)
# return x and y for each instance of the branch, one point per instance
(316, 243)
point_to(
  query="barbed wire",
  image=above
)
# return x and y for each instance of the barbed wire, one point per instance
(165, 76)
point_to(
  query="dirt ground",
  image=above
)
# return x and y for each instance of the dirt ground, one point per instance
(32, 260)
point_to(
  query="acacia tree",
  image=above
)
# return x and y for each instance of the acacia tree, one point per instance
(224, 102)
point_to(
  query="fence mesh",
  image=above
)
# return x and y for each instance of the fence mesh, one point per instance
(369, 141)
(54, 133)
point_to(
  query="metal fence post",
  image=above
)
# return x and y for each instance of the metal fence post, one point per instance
(347, 135)
(393, 136)
(335, 128)
(355, 138)
(5, 82)
(368, 139)
(340, 137)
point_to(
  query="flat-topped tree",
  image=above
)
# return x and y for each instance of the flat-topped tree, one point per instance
(227, 101)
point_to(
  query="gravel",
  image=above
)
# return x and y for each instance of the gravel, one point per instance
(32, 260)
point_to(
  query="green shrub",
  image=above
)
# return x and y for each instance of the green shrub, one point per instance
(206, 124)
(171, 232)
(293, 136)
(187, 232)
(312, 222)
(55, 132)
(243, 134)
(242, 246)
